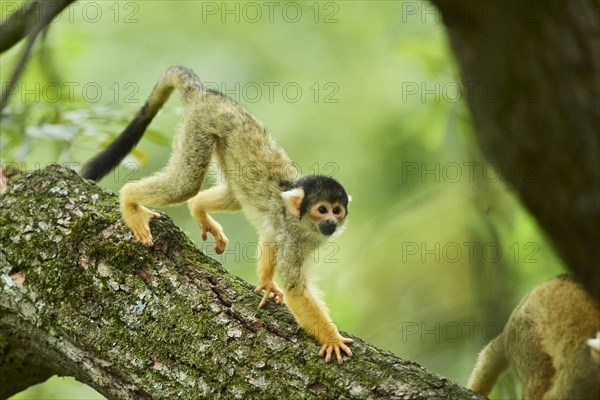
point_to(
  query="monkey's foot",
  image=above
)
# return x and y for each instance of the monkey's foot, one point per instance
(269, 288)
(335, 345)
(138, 222)
(215, 229)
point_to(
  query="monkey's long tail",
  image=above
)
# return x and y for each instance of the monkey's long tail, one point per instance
(182, 78)
(491, 363)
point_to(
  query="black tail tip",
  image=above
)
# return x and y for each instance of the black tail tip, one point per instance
(92, 171)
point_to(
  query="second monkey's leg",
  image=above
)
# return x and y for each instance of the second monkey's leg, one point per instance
(217, 198)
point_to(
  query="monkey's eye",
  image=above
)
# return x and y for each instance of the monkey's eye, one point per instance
(322, 210)
(336, 210)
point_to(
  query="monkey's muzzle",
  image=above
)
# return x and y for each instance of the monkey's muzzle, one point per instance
(327, 226)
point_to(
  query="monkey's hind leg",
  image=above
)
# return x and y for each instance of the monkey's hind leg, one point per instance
(179, 180)
(216, 198)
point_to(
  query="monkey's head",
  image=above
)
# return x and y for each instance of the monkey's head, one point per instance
(319, 202)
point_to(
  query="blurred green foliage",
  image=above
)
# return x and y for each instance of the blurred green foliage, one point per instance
(59, 388)
(438, 250)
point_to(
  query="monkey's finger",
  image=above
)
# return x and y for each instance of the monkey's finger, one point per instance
(347, 340)
(271, 294)
(279, 298)
(328, 356)
(220, 246)
(264, 300)
(204, 232)
(154, 215)
(259, 289)
(338, 355)
(346, 349)
(322, 351)
(277, 295)
(143, 236)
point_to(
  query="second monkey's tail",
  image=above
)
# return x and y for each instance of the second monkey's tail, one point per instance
(182, 78)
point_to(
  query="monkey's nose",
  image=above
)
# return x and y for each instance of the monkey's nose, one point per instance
(327, 227)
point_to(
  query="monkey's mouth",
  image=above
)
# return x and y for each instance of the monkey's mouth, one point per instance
(327, 227)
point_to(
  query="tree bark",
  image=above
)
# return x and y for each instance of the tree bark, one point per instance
(80, 297)
(531, 72)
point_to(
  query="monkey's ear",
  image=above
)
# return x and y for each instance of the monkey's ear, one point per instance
(349, 198)
(595, 347)
(595, 342)
(293, 199)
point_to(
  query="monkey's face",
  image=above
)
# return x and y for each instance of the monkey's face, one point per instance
(320, 203)
(328, 217)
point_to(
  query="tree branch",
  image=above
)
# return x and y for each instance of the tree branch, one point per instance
(80, 297)
(31, 17)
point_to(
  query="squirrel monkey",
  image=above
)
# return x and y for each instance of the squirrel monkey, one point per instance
(547, 342)
(292, 216)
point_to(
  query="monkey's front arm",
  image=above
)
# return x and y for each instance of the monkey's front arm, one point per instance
(266, 273)
(312, 315)
(308, 309)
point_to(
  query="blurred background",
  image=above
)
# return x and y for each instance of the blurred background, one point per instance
(438, 250)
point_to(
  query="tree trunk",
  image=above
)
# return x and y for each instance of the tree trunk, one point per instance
(531, 72)
(80, 297)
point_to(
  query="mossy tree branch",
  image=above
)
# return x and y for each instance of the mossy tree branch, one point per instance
(80, 297)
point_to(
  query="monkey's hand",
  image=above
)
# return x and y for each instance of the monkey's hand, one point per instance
(208, 224)
(269, 288)
(335, 344)
(137, 219)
